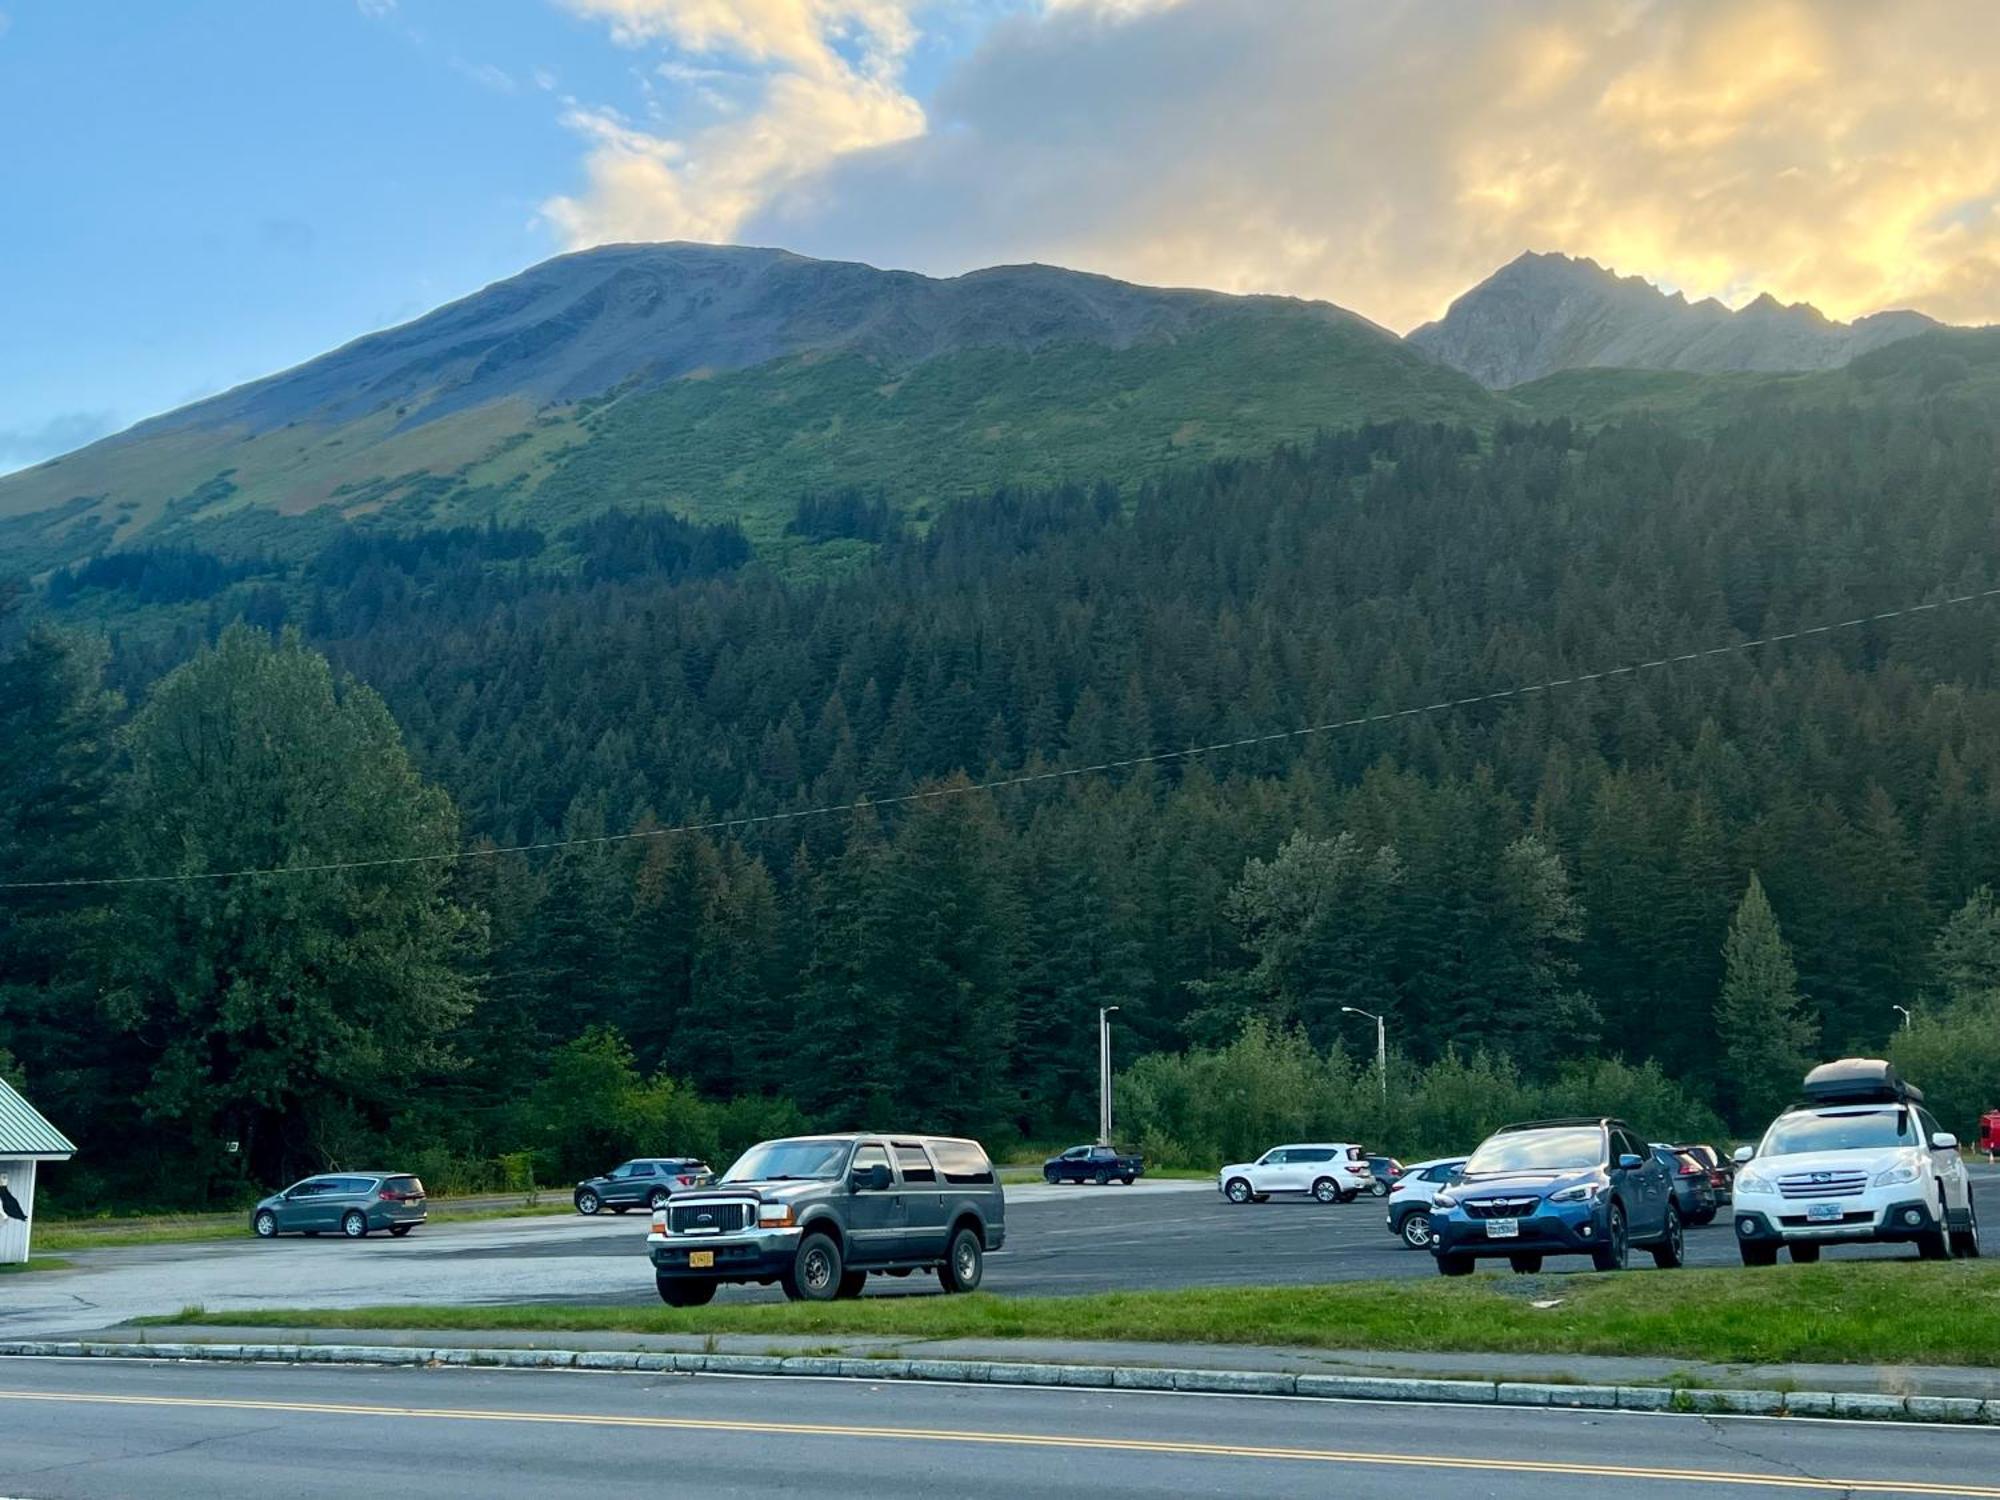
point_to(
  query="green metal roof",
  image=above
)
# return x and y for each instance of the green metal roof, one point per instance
(23, 1131)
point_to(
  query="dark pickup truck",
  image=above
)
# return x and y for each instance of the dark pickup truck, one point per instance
(818, 1214)
(1098, 1164)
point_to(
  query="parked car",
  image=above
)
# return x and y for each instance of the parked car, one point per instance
(1332, 1173)
(1558, 1187)
(1410, 1198)
(1098, 1164)
(1860, 1162)
(644, 1182)
(349, 1203)
(819, 1214)
(1694, 1193)
(1385, 1170)
(1721, 1173)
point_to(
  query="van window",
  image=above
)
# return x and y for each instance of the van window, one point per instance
(916, 1166)
(866, 1156)
(962, 1161)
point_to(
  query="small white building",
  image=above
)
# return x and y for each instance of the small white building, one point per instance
(26, 1141)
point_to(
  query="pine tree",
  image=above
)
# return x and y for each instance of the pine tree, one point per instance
(1761, 1021)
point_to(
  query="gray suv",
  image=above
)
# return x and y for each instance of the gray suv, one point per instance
(349, 1203)
(817, 1214)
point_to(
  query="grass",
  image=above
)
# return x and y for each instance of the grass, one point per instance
(35, 1263)
(190, 1229)
(1857, 1313)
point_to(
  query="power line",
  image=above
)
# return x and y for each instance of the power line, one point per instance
(1026, 778)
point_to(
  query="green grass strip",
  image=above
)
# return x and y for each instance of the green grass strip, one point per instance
(1883, 1313)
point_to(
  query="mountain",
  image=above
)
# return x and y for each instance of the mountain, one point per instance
(1543, 313)
(726, 382)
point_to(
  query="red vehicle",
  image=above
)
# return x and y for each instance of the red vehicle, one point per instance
(1989, 1132)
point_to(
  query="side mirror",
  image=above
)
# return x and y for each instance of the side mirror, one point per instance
(873, 1179)
(1630, 1163)
(1742, 1154)
(1944, 1140)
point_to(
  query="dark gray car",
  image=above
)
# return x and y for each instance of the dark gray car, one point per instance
(347, 1203)
(819, 1214)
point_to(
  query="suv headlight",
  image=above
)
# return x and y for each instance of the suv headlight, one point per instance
(774, 1215)
(1445, 1201)
(1751, 1181)
(1583, 1192)
(1901, 1172)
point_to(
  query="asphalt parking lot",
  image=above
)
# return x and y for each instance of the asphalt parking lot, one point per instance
(1060, 1241)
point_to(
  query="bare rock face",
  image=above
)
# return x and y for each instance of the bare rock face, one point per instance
(1543, 313)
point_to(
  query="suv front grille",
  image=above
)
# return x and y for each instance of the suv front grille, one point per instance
(1823, 1184)
(709, 1218)
(1501, 1208)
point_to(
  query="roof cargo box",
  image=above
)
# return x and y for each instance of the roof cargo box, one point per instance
(1859, 1080)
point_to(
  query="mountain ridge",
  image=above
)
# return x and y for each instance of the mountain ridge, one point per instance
(1546, 312)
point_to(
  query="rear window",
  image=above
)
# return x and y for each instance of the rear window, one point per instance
(962, 1161)
(354, 1184)
(915, 1166)
(409, 1187)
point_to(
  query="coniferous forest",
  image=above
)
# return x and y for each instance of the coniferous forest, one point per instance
(1655, 890)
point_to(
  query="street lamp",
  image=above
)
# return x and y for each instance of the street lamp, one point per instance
(1381, 1045)
(1904, 1012)
(1104, 1074)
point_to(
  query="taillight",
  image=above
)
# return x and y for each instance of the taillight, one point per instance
(387, 1196)
(1395, 1188)
(685, 1181)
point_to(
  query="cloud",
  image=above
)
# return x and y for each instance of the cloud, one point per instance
(1384, 154)
(486, 75)
(375, 10)
(825, 81)
(21, 446)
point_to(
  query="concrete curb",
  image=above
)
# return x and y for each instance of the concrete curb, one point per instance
(1693, 1399)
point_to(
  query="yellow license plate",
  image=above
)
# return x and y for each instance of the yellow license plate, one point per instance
(700, 1260)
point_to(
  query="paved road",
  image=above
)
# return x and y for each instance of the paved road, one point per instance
(1060, 1240)
(76, 1431)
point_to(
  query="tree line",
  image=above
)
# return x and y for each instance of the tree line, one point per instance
(1720, 868)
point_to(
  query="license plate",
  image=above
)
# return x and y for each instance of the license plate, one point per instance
(700, 1260)
(1503, 1229)
(1825, 1213)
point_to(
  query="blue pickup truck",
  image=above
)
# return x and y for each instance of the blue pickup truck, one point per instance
(1099, 1164)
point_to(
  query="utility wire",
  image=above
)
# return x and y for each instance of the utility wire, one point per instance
(1026, 778)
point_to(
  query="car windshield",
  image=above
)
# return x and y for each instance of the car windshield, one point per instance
(1566, 1150)
(779, 1161)
(1864, 1130)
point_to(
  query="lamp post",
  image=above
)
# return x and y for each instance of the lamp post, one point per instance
(1381, 1046)
(1104, 1074)
(1904, 1012)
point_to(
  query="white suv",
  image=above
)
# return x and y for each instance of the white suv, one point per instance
(1332, 1173)
(1860, 1162)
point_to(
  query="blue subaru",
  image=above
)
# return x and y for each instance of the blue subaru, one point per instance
(1558, 1187)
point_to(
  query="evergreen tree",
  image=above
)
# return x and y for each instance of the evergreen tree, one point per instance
(1761, 1021)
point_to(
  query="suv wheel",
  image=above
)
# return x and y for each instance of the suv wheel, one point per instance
(1757, 1255)
(266, 1224)
(1965, 1242)
(1236, 1190)
(676, 1292)
(354, 1224)
(1936, 1245)
(1103, 1177)
(657, 1199)
(1671, 1252)
(1416, 1230)
(1525, 1265)
(1455, 1265)
(814, 1275)
(1380, 1189)
(965, 1266)
(1327, 1190)
(588, 1202)
(1805, 1253)
(1049, 1176)
(1616, 1249)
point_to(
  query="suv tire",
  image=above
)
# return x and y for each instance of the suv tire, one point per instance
(1936, 1245)
(1327, 1190)
(1455, 1265)
(1757, 1255)
(1965, 1242)
(1049, 1176)
(354, 1224)
(677, 1292)
(1236, 1190)
(588, 1203)
(1104, 1177)
(1380, 1189)
(1415, 1229)
(1616, 1249)
(657, 1199)
(964, 1263)
(1525, 1265)
(1671, 1252)
(1804, 1253)
(815, 1272)
(265, 1224)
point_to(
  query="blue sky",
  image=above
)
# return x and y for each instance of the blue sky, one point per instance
(202, 191)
